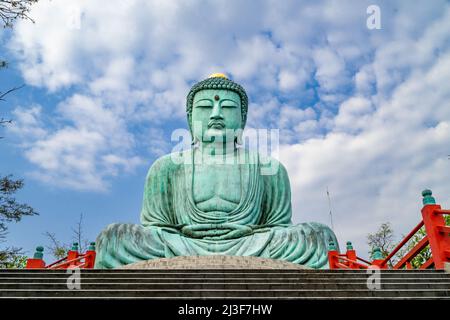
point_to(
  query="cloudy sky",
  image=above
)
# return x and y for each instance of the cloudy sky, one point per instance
(362, 112)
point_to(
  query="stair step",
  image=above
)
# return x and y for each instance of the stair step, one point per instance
(223, 285)
(226, 293)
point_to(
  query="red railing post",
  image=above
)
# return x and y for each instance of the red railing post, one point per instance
(351, 255)
(90, 256)
(37, 262)
(72, 255)
(438, 238)
(333, 255)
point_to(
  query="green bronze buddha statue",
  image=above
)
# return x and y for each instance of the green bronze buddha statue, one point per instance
(216, 198)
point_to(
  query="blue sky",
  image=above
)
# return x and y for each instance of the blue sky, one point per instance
(363, 112)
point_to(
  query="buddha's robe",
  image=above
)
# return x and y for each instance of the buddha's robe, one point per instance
(172, 225)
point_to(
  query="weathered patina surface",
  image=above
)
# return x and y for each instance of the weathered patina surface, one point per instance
(216, 198)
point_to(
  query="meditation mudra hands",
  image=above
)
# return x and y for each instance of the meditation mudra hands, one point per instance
(220, 231)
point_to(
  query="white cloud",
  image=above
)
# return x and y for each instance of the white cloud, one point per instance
(330, 69)
(27, 122)
(354, 114)
(78, 154)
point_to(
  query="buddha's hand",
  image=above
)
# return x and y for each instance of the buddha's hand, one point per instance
(220, 231)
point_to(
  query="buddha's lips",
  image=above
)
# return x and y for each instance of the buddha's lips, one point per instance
(216, 124)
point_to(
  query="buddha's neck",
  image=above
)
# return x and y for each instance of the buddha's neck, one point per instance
(216, 149)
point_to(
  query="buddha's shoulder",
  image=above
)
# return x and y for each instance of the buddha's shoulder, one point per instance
(169, 162)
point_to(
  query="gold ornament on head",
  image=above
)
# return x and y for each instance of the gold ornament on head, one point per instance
(218, 75)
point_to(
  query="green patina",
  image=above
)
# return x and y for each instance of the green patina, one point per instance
(427, 197)
(349, 245)
(39, 253)
(213, 199)
(376, 254)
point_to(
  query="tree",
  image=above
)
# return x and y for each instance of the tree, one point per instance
(11, 10)
(383, 238)
(12, 259)
(59, 249)
(11, 211)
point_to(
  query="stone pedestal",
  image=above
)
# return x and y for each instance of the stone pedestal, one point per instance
(214, 262)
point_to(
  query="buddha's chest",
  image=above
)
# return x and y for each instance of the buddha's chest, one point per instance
(217, 187)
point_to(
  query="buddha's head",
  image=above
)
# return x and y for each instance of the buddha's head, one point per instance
(216, 107)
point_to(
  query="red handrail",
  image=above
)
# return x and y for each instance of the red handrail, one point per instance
(412, 253)
(56, 262)
(66, 263)
(402, 243)
(352, 262)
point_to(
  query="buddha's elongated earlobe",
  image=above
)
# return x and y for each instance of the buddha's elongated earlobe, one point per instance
(194, 141)
(238, 137)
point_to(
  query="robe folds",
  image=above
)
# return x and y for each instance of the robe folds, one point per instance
(172, 225)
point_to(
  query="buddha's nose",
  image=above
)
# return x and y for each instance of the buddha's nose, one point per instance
(216, 113)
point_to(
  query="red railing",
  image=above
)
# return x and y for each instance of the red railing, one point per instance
(74, 259)
(437, 237)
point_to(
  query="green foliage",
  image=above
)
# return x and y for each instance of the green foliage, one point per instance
(12, 259)
(10, 209)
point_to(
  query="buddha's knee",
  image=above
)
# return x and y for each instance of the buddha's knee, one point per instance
(319, 231)
(116, 233)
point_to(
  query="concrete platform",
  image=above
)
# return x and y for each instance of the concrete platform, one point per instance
(215, 262)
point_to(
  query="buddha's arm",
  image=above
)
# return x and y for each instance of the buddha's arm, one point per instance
(276, 206)
(157, 203)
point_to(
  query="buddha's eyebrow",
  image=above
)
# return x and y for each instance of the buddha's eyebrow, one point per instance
(229, 100)
(203, 100)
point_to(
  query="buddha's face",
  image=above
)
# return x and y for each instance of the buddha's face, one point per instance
(216, 114)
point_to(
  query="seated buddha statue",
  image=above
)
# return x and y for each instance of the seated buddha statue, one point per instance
(216, 198)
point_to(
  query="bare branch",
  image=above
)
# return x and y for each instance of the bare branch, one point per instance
(57, 249)
(78, 235)
(11, 10)
(3, 95)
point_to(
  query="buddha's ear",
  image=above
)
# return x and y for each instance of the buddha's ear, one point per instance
(238, 137)
(194, 140)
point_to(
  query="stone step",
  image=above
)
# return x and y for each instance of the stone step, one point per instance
(280, 274)
(227, 280)
(226, 293)
(215, 270)
(224, 285)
